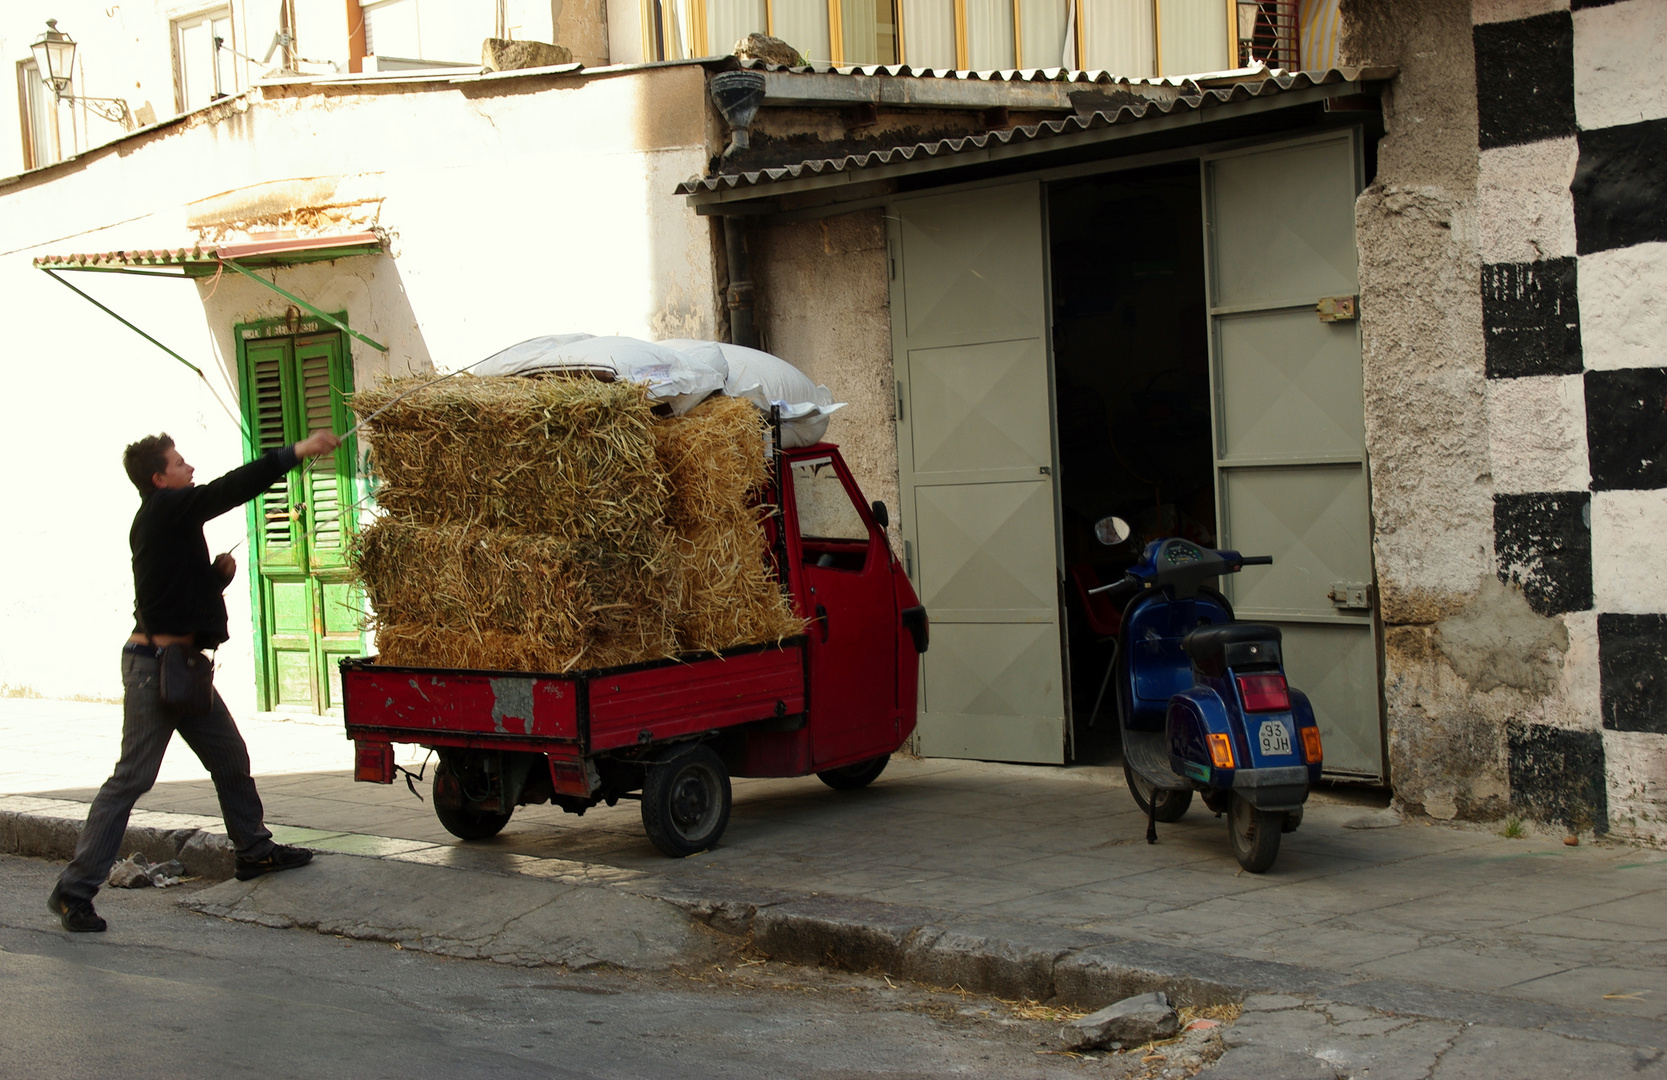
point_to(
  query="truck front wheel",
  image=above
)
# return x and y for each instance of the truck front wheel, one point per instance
(685, 802)
(852, 777)
(462, 818)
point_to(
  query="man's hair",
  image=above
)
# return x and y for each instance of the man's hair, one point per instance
(145, 458)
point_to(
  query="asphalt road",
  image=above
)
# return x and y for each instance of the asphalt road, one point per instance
(168, 993)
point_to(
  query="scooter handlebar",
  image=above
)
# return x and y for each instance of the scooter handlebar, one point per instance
(1256, 560)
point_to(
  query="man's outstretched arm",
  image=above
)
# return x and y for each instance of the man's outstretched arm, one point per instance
(243, 483)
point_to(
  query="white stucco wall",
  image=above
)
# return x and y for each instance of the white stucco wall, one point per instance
(513, 209)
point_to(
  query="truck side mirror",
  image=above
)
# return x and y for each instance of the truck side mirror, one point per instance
(880, 514)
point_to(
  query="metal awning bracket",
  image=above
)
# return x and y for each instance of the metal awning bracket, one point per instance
(292, 298)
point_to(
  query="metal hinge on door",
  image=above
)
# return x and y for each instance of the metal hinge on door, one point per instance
(1351, 595)
(908, 560)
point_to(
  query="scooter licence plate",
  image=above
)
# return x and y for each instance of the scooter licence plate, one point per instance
(1274, 738)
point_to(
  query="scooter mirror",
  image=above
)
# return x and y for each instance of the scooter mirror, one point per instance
(1112, 531)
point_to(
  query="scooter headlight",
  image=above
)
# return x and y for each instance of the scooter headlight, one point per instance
(1264, 693)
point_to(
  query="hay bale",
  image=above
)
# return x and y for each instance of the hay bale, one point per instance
(725, 592)
(715, 457)
(570, 458)
(570, 595)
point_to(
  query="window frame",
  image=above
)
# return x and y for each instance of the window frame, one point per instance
(176, 29)
(28, 76)
(656, 32)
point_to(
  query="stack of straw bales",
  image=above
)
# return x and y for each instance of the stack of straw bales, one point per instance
(552, 524)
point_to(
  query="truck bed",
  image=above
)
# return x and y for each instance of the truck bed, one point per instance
(580, 712)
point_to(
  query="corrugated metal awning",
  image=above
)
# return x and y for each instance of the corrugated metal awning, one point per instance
(1197, 103)
(200, 261)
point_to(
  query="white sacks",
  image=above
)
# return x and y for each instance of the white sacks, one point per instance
(768, 380)
(682, 373)
(679, 378)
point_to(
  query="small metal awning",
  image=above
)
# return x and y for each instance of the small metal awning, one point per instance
(201, 262)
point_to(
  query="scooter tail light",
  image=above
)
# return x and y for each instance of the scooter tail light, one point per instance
(1221, 751)
(1311, 745)
(1264, 693)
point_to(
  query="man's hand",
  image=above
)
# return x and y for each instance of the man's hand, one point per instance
(319, 442)
(225, 566)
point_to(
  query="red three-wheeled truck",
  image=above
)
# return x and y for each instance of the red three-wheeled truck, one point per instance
(836, 700)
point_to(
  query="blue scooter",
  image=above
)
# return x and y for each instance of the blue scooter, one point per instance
(1203, 703)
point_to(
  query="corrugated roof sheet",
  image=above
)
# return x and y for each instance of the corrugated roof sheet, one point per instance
(1053, 74)
(1204, 97)
(258, 253)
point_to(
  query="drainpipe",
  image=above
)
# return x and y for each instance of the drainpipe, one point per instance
(738, 95)
(739, 294)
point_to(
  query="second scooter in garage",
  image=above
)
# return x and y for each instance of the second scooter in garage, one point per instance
(1203, 703)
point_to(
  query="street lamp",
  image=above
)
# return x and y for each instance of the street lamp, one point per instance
(55, 60)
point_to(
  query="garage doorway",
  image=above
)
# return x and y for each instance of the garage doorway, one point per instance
(1207, 384)
(1173, 344)
(1132, 385)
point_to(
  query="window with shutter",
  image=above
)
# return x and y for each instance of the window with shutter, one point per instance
(295, 380)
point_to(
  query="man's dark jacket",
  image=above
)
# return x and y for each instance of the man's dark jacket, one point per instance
(176, 588)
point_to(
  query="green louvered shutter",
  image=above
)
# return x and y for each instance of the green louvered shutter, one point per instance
(270, 375)
(322, 385)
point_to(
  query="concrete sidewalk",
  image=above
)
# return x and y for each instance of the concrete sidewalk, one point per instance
(1034, 876)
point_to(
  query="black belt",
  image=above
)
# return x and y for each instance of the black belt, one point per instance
(137, 648)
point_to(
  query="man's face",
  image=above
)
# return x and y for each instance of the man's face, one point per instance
(177, 475)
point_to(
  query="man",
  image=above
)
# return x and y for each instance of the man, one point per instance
(177, 601)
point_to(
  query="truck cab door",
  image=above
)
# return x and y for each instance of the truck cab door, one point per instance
(847, 597)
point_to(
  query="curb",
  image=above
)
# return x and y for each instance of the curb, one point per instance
(48, 828)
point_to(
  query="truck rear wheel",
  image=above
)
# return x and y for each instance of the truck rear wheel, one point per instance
(460, 817)
(686, 801)
(852, 777)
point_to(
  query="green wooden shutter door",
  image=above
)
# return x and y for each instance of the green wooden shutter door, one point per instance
(328, 485)
(270, 376)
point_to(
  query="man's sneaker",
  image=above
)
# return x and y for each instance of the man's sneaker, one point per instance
(281, 857)
(77, 916)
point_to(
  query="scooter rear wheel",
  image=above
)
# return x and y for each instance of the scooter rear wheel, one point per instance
(1255, 834)
(1172, 803)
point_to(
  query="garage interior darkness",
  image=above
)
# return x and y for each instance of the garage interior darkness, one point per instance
(1131, 390)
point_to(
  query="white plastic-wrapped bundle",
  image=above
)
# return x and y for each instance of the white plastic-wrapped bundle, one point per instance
(768, 380)
(679, 378)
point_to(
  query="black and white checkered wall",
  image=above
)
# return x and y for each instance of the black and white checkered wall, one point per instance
(1572, 201)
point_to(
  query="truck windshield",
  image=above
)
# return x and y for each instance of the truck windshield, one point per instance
(826, 511)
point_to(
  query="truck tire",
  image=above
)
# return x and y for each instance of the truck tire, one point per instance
(452, 807)
(852, 777)
(685, 802)
(1255, 834)
(1172, 803)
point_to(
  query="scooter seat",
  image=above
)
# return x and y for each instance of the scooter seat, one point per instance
(1214, 649)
